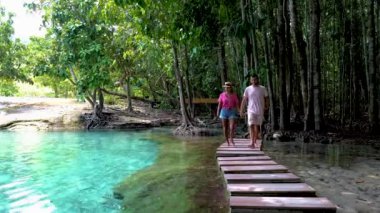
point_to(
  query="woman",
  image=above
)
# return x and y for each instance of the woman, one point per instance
(228, 111)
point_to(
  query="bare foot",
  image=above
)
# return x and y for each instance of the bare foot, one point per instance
(252, 146)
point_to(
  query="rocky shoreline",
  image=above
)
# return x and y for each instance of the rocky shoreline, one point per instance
(43, 114)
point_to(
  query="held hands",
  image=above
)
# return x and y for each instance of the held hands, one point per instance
(242, 114)
(266, 107)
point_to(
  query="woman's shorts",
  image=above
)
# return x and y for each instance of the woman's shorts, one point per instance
(255, 119)
(228, 114)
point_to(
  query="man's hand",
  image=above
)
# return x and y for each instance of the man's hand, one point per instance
(266, 104)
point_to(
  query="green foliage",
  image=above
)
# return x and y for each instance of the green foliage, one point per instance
(7, 88)
(10, 51)
(33, 90)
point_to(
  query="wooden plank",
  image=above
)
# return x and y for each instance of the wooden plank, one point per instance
(246, 163)
(236, 146)
(247, 141)
(238, 153)
(271, 189)
(236, 149)
(262, 178)
(242, 143)
(247, 158)
(315, 204)
(254, 169)
(237, 143)
(231, 147)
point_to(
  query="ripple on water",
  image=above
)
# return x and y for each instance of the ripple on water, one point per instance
(68, 171)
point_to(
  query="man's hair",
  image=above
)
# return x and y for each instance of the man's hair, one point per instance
(255, 76)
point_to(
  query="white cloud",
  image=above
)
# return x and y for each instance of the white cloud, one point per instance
(25, 23)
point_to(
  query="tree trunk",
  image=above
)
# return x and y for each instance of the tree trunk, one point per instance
(289, 61)
(316, 63)
(222, 60)
(101, 99)
(309, 124)
(296, 30)
(284, 117)
(247, 43)
(89, 99)
(187, 83)
(185, 115)
(272, 114)
(127, 88)
(75, 79)
(129, 94)
(372, 108)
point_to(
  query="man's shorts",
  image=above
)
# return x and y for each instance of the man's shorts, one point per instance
(228, 114)
(255, 119)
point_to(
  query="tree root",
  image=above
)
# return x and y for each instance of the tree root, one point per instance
(186, 130)
(97, 119)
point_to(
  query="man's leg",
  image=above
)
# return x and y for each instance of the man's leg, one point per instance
(255, 133)
(252, 135)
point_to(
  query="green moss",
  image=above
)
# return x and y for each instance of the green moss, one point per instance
(185, 178)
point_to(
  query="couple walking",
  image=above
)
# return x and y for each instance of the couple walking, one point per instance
(257, 98)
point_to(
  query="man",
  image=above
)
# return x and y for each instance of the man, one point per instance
(258, 102)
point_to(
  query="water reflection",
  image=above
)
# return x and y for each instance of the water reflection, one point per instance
(332, 154)
(347, 174)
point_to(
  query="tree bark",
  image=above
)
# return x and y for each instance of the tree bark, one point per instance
(296, 30)
(372, 108)
(316, 63)
(272, 114)
(101, 99)
(187, 83)
(185, 115)
(284, 117)
(222, 60)
(128, 90)
(247, 43)
(289, 62)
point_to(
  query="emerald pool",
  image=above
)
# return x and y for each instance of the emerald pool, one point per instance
(69, 171)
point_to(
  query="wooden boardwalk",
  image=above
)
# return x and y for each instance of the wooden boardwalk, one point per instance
(256, 182)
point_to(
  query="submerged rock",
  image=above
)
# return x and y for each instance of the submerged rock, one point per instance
(118, 196)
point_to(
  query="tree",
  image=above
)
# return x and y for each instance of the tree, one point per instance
(10, 51)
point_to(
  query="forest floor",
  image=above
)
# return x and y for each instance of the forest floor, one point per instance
(353, 189)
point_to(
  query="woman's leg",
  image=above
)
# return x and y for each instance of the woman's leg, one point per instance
(225, 129)
(232, 130)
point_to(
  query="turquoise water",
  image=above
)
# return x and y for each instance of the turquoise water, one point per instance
(68, 171)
